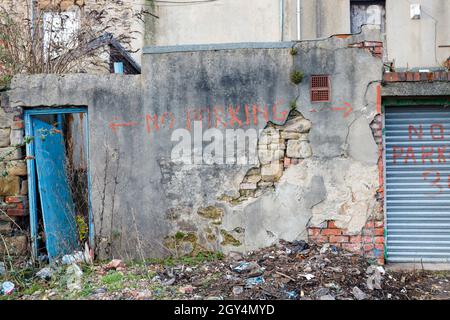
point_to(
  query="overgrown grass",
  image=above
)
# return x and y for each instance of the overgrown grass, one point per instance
(188, 260)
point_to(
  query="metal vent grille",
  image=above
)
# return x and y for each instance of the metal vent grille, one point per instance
(417, 184)
(320, 88)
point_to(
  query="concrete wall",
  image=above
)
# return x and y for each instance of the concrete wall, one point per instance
(146, 204)
(410, 43)
(221, 21)
(415, 43)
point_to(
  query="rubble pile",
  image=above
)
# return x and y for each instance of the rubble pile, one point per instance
(288, 271)
(297, 271)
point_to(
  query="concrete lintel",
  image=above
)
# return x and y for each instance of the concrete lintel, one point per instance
(411, 89)
(219, 46)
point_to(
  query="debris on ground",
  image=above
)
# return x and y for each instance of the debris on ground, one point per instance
(7, 288)
(45, 273)
(76, 257)
(74, 274)
(287, 271)
(115, 264)
(2, 269)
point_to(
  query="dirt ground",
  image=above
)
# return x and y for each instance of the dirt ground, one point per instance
(286, 271)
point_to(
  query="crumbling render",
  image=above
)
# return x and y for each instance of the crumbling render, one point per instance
(279, 146)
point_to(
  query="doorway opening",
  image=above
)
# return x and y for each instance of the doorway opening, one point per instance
(58, 182)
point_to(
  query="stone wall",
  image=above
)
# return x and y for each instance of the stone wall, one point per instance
(13, 182)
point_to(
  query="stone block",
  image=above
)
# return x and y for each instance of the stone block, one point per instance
(24, 188)
(298, 149)
(5, 119)
(291, 135)
(253, 179)
(4, 137)
(297, 124)
(272, 171)
(17, 245)
(268, 156)
(10, 153)
(248, 186)
(17, 137)
(5, 226)
(17, 168)
(9, 185)
(269, 135)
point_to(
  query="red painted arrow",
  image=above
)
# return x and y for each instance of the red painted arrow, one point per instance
(113, 126)
(348, 109)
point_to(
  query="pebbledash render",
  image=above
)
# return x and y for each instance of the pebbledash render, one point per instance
(319, 169)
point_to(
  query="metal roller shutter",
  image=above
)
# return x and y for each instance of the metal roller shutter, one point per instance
(417, 194)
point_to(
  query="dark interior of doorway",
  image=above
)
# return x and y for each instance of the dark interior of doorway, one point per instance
(72, 127)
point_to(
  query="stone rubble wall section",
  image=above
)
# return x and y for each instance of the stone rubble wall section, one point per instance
(13, 182)
(278, 148)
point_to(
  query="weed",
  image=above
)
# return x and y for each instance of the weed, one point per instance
(296, 77)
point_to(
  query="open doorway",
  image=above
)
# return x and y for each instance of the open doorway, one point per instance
(58, 181)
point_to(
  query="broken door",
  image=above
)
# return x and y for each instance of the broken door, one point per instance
(56, 200)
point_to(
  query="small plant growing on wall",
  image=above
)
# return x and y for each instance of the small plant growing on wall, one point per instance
(296, 77)
(294, 51)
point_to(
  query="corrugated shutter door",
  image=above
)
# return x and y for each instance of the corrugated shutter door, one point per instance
(417, 184)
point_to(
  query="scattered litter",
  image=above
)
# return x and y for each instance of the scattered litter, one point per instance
(2, 269)
(298, 246)
(251, 282)
(237, 290)
(359, 294)
(321, 292)
(45, 273)
(245, 267)
(334, 250)
(292, 295)
(315, 273)
(169, 282)
(324, 248)
(186, 290)
(375, 277)
(88, 254)
(308, 276)
(77, 257)
(115, 264)
(7, 288)
(327, 297)
(100, 291)
(74, 274)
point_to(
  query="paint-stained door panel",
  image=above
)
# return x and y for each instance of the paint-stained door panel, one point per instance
(56, 200)
(417, 156)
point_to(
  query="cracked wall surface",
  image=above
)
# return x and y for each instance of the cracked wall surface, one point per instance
(316, 164)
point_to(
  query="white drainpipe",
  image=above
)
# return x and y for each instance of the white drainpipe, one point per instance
(299, 17)
(282, 20)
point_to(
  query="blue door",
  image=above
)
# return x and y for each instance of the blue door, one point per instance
(58, 211)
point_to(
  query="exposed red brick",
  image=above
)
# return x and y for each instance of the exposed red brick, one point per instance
(352, 247)
(331, 232)
(379, 231)
(379, 224)
(355, 239)
(339, 239)
(19, 124)
(379, 239)
(314, 231)
(16, 212)
(390, 77)
(287, 162)
(14, 199)
(370, 224)
(319, 239)
(332, 225)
